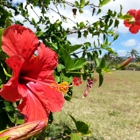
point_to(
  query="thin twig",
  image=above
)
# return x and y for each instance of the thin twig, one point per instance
(85, 51)
(35, 12)
(73, 5)
(62, 15)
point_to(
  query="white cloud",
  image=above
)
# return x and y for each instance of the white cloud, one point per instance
(127, 5)
(113, 5)
(73, 38)
(129, 43)
(122, 29)
(138, 48)
(122, 52)
(18, 1)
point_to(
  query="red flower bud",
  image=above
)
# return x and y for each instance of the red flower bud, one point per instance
(24, 131)
(90, 83)
(125, 63)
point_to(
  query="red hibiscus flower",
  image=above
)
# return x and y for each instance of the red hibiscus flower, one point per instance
(134, 22)
(32, 74)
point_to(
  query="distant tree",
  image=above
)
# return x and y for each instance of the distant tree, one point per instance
(133, 53)
(108, 56)
(117, 60)
(113, 59)
(138, 59)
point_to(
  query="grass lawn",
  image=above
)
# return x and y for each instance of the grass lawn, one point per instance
(113, 110)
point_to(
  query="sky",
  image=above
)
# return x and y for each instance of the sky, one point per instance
(126, 41)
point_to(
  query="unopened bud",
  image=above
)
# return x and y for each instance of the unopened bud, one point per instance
(125, 63)
(90, 83)
(24, 131)
(74, 10)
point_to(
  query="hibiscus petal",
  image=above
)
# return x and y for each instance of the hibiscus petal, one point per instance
(18, 40)
(132, 12)
(138, 18)
(47, 55)
(134, 29)
(9, 90)
(32, 108)
(41, 67)
(53, 100)
(40, 100)
(127, 24)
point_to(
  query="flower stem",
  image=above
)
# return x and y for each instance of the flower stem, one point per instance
(5, 72)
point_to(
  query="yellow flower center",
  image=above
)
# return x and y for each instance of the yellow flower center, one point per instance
(62, 87)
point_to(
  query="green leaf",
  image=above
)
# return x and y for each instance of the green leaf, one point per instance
(79, 34)
(67, 130)
(47, 2)
(33, 21)
(19, 120)
(52, 45)
(67, 59)
(120, 16)
(2, 75)
(58, 23)
(75, 136)
(80, 11)
(116, 23)
(127, 16)
(60, 67)
(39, 33)
(67, 98)
(78, 64)
(99, 11)
(87, 2)
(7, 23)
(75, 47)
(82, 25)
(11, 116)
(88, 44)
(100, 79)
(70, 63)
(102, 63)
(1, 32)
(85, 33)
(116, 37)
(99, 70)
(97, 62)
(110, 50)
(82, 127)
(73, 119)
(110, 22)
(76, 4)
(57, 78)
(82, 3)
(104, 2)
(8, 106)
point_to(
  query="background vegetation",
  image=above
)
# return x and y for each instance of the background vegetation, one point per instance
(113, 110)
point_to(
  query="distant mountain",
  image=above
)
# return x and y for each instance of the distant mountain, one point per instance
(124, 57)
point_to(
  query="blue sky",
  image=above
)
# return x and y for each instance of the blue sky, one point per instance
(126, 41)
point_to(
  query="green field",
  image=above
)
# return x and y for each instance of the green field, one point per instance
(113, 110)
